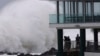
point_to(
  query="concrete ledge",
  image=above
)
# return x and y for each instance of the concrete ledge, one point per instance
(75, 25)
(91, 54)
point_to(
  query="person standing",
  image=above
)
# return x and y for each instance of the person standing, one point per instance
(67, 42)
(77, 41)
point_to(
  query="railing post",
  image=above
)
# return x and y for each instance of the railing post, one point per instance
(64, 11)
(57, 12)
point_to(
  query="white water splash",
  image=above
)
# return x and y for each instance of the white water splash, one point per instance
(24, 26)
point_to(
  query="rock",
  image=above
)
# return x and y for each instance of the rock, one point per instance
(52, 51)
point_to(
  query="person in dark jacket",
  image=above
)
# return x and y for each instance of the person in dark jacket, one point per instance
(67, 42)
(77, 41)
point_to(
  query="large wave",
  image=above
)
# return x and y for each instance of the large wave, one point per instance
(24, 26)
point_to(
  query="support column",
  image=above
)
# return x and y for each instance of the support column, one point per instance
(60, 34)
(60, 42)
(95, 39)
(82, 41)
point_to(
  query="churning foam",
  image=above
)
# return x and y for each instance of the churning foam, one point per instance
(24, 26)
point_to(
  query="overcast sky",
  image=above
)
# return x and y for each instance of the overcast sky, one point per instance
(4, 2)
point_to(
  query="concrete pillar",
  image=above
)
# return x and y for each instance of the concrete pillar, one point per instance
(82, 41)
(60, 42)
(60, 34)
(95, 39)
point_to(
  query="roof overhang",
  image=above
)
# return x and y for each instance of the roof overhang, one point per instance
(78, 0)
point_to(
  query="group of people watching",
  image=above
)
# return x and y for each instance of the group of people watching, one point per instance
(67, 42)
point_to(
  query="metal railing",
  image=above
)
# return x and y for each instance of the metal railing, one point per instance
(73, 11)
(89, 46)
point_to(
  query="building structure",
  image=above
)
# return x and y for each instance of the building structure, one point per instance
(78, 14)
